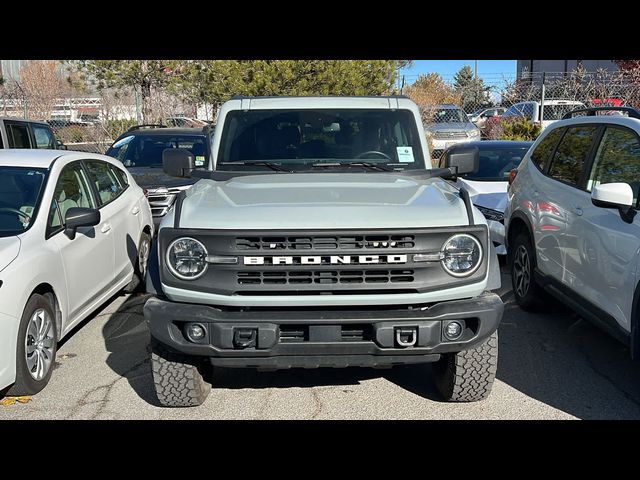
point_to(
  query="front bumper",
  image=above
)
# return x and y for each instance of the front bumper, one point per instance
(286, 338)
(496, 234)
(8, 334)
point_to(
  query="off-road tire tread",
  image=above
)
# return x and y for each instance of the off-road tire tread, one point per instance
(177, 378)
(468, 376)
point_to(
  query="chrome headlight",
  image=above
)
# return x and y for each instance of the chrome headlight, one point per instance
(462, 255)
(473, 133)
(187, 258)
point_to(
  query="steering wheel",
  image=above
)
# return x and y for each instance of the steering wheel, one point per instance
(374, 152)
(15, 210)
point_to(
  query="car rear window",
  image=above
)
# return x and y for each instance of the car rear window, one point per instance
(146, 150)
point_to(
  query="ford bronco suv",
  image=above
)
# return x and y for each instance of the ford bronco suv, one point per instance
(320, 235)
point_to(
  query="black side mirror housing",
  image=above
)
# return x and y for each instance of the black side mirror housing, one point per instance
(61, 146)
(466, 160)
(178, 162)
(77, 217)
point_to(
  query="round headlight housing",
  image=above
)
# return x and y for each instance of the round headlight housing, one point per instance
(187, 258)
(462, 255)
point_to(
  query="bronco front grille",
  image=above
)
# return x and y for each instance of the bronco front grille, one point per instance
(342, 262)
(328, 242)
(325, 277)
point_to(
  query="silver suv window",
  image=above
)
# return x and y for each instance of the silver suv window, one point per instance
(617, 160)
(571, 154)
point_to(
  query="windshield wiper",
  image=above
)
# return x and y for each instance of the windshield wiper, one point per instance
(259, 163)
(369, 165)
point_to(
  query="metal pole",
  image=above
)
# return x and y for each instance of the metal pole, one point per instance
(542, 98)
(137, 98)
(475, 69)
(24, 100)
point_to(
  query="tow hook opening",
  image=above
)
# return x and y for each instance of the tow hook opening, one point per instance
(245, 337)
(406, 336)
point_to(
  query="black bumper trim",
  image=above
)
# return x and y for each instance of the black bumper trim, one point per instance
(480, 316)
(318, 361)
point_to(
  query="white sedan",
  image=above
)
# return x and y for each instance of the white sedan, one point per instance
(75, 229)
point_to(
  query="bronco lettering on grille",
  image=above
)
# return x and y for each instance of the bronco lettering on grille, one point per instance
(332, 259)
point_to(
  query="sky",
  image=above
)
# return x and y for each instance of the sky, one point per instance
(447, 68)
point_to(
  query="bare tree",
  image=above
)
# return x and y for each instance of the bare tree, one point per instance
(42, 84)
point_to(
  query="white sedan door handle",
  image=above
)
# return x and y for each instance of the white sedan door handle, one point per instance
(105, 228)
(135, 210)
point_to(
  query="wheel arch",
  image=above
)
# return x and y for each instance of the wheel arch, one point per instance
(46, 290)
(634, 343)
(519, 223)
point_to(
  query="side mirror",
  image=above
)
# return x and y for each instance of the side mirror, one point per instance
(466, 160)
(178, 162)
(61, 146)
(615, 195)
(77, 217)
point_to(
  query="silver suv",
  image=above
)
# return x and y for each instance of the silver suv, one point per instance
(322, 236)
(448, 125)
(571, 223)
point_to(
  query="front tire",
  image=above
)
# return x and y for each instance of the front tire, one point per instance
(177, 378)
(37, 347)
(140, 267)
(468, 376)
(526, 291)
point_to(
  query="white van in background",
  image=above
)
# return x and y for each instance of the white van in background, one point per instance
(553, 110)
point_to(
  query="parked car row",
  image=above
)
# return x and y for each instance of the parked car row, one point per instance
(563, 209)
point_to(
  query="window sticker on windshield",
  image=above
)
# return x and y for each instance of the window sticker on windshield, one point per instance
(199, 160)
(405, 154)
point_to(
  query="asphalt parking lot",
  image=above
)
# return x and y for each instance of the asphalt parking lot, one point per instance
(551, 366)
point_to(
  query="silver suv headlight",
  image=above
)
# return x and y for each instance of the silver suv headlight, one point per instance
(462, 255)
(187, 258)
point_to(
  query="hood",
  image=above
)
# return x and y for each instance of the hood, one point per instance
(445, 127)
(487, 194)
(147, 177)
(321, 200)
(9, 249)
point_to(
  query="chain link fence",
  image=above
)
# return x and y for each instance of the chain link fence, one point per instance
(492, 101)
(89, 120)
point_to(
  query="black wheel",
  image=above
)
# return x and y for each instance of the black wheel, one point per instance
(177, 378)
(140, 267)
(36, 348)
(468, 376)
(527, 292)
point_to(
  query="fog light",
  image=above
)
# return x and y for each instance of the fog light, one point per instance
(195, 332)
(452, 330)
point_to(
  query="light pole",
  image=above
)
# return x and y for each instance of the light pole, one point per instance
(24, 98)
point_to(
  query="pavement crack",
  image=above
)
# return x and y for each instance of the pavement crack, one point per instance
(102, 392)
(318, 403)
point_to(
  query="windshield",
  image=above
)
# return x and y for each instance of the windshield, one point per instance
(300, 140)
(20, 191)
(146, 150)
(449, 115)
(495, 164)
